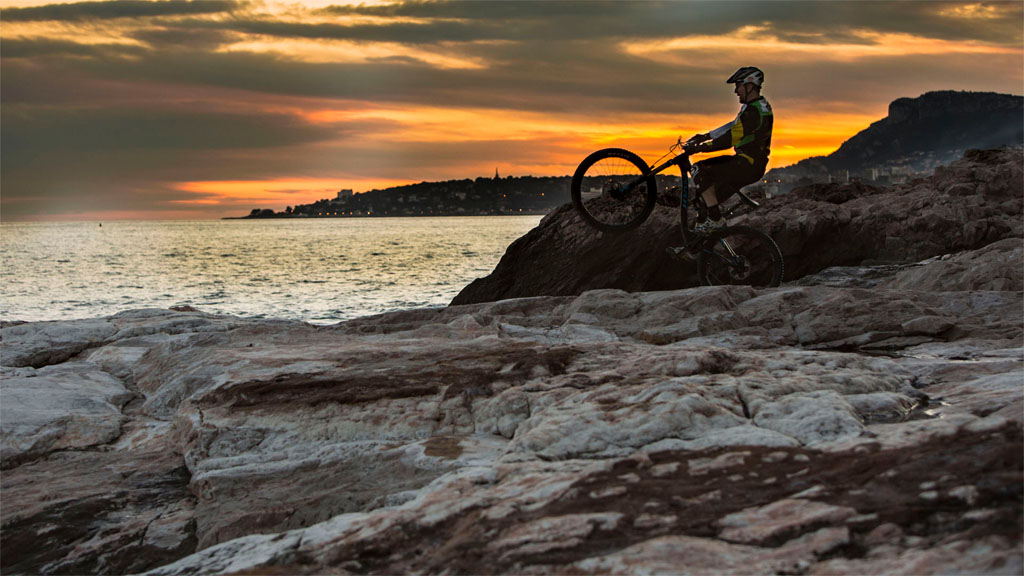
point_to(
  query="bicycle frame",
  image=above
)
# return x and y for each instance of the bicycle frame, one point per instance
(685, 166)
(682, 160)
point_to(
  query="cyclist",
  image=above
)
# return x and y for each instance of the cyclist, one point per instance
(750, 134)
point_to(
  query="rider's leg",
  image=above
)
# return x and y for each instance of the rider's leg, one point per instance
(711, 201)
(706, 176)
(724, 178)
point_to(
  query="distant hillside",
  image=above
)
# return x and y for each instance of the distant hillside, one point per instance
(921, 133)
(479, 197)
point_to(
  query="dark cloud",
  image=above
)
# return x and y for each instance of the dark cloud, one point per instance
(78, 11)
(586, 78)
(114, 129)
(612, 19)
(852, 87)
(817, 38)
(184, 37)
(72, 181)
(554, 56)
(14, 48)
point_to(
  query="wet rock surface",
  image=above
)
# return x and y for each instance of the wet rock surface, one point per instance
(803, 429)
(966, 205)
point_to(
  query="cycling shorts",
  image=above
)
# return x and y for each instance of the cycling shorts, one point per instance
(727, 174)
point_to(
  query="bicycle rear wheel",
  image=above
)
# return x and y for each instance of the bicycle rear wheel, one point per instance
(740, 255)
(610, 191)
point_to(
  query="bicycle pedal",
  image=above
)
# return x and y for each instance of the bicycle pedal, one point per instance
(680, 253)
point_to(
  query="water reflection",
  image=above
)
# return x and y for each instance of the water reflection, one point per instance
(318, 271)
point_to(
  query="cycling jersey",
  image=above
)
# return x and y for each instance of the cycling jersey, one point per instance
(750, 133)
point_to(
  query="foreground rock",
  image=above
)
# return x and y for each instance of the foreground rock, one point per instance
(807, 429)
(967, 205)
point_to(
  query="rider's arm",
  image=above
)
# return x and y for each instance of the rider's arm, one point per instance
(721, 137)
(730, 135)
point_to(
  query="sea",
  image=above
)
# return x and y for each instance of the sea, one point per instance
(320, 271)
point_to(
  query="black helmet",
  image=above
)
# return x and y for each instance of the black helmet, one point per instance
(747, 74)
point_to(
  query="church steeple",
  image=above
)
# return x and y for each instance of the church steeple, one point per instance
(496, 173)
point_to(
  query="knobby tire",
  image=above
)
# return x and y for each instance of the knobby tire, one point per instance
(597, 190)
(740, 255)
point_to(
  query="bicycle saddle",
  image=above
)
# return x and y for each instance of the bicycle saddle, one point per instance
(747, 199)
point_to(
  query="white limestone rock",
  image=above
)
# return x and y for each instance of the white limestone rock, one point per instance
(761, 524)
(994, 267)
(72, 405)
(39, 344)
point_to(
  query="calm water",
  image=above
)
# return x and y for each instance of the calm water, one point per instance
(319, 271)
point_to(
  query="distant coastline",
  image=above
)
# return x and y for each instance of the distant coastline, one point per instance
(495, 196)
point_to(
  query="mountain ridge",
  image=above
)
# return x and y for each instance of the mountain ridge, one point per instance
(921, 133)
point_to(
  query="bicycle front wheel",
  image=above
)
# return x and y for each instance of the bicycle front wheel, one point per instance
(740, 255)
(611, 192)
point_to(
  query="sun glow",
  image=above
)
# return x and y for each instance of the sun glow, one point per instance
(273, 193)
(325, 51)
(976, 11)
(70, 32)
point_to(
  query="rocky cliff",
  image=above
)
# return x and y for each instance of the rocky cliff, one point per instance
(966, 205)
(934, 122)
(867, 423)
(934, 127)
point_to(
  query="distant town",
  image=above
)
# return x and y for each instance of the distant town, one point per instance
(780, 181)
(479, 197)
(497, 196)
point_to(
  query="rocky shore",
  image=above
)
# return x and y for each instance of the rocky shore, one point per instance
(964, 206)
(863, 418)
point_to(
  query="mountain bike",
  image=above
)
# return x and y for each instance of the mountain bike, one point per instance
(614, 190)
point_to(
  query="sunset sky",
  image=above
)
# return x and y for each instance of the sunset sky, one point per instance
(188, 110)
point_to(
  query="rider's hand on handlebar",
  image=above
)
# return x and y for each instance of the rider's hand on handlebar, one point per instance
(694, 144)
(692, 147)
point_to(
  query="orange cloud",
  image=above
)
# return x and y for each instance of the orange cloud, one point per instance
(323, 51)
(979, 11)
(771, 48)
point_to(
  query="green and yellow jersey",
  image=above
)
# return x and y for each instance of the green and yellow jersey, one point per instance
(750, 133)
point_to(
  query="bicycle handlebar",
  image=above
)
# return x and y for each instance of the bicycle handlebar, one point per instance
(689, 147)
(680, 149)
